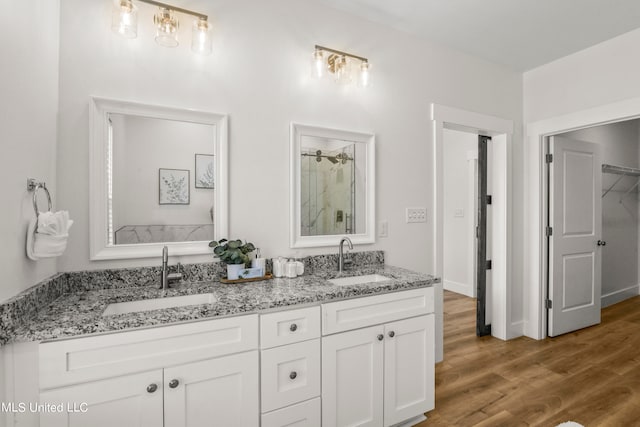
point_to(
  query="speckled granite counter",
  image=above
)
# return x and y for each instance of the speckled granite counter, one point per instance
(80, 313)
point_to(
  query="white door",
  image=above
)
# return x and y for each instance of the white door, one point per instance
(409, 368)
(352, 378)
(216, 392)
(575, 215)
(132, 400)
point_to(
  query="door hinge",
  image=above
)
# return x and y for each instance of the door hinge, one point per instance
(549, 158)
(548, 304)
(489, 199)
(549, 231)
(489, 265)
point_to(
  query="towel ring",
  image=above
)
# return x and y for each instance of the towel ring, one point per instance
(33, 185)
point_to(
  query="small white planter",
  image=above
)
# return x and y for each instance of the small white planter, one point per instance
(233, 271)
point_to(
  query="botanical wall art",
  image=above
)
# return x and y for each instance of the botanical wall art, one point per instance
(205, 171)
(174, 186)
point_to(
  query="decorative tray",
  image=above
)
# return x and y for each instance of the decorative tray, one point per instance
(267, 276)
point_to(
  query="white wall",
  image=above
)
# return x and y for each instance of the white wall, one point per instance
(259, 73)
(28, 106)
(619, 219)
(458, 271)
(600, 75)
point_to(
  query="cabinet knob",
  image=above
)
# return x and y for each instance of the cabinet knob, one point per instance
(392, 334)
(380, 337)
(293, 375)
(151, 388)
(601, 243)
(174, 383)
(293, 327)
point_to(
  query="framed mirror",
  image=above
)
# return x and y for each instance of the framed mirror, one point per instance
(332, 186)
(158, 176)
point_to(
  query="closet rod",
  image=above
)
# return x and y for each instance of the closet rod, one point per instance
(620, 170)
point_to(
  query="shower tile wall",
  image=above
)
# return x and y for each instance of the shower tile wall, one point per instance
(327, 194)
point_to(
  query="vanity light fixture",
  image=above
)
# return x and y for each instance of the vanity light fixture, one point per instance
(339, 65)
(124, 22)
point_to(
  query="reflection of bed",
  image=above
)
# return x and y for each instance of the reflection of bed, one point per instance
(129, 234)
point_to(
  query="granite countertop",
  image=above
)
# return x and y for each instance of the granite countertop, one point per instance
(80, 313)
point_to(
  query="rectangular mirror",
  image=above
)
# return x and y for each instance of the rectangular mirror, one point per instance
(158, 177)
(332, 186)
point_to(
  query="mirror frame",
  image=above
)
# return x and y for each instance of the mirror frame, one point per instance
(296, 239)
(99, 110)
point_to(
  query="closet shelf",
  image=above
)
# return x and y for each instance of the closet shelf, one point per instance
(622, 171)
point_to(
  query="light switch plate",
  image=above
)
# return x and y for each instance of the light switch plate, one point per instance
(458, 213)
(383, 229)
(416, 215)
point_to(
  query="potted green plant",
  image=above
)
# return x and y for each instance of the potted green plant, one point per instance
(234, 254)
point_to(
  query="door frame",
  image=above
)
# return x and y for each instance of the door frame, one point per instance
(501, 131)
(535, 219)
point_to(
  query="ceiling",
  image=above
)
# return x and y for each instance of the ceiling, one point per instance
(520, 34)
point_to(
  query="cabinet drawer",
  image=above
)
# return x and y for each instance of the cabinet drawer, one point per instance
(361, 312)
(86, 359)
(287, 327)
(305, 414)
(290, 374)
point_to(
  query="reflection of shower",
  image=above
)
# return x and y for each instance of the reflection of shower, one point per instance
(338, 158)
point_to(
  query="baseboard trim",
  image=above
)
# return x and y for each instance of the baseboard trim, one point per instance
(620, 295)
(459, 288)
(516, 330)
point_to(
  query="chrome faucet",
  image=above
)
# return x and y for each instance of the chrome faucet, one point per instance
(341, 261)
(165, 277)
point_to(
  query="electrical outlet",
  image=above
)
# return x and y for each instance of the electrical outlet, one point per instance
(458, 213)
(383, 229)
(416, 215)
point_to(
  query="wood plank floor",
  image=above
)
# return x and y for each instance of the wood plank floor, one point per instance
(591, 376)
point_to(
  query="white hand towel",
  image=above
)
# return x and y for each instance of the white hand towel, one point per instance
(49, 238)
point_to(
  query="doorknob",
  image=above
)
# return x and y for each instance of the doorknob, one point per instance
(601, 243)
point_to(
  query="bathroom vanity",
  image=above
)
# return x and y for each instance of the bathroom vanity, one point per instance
(324, 349)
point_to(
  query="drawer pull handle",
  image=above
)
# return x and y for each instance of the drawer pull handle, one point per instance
(174, 383)
(293, 327)
(380, 337)
(293, 375)
(152, 388)
(392, 334)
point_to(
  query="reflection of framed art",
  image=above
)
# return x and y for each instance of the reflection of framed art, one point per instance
(174, 186)
(205, 171)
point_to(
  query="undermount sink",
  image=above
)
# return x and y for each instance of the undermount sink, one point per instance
(158, 303)
(359, 280)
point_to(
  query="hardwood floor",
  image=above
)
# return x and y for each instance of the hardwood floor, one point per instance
(591, 376)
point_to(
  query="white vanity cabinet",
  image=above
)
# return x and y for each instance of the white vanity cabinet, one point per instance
(177, 376)
(290, 368)
(383, 374)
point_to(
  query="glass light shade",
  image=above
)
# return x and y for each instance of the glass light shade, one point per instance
(318, 64)
(124, 19)
(167, 28)
(365, 76)
(201, 40)
(342, 73)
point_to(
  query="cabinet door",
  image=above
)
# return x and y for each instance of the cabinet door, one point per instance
(215, 392)
(409, 360)
(132, 400)
(352, 374)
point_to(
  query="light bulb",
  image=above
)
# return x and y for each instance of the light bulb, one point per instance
(201, 40)
(124, 19)
(365, 77)
(342, 73)
(318, 64)
(167, 28)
